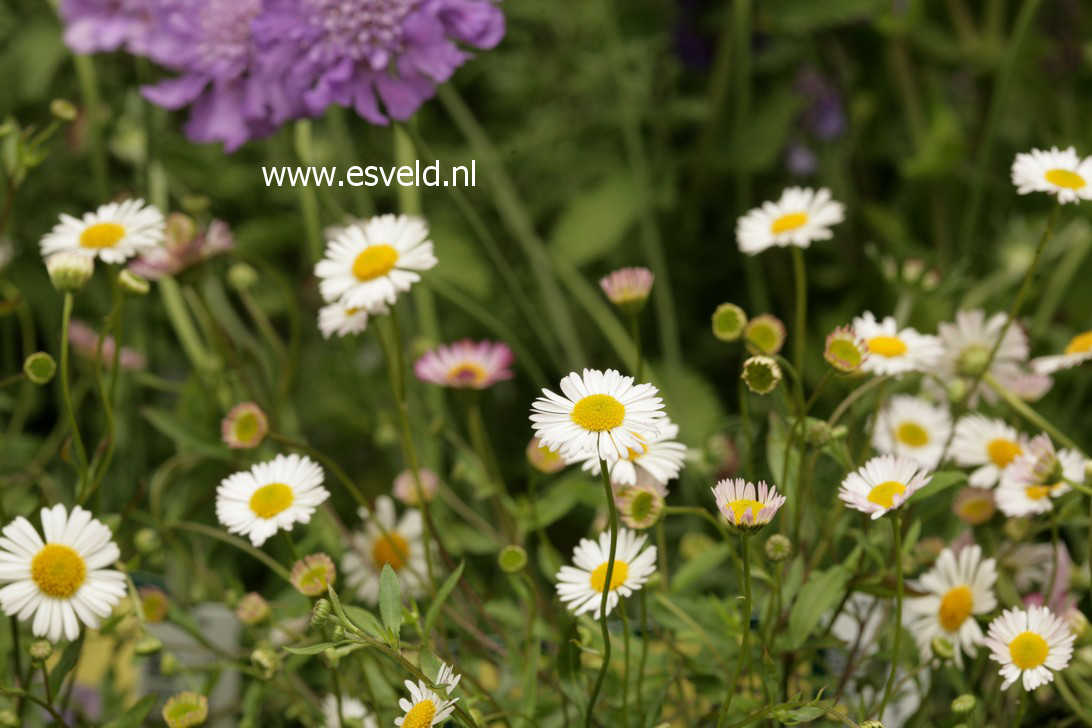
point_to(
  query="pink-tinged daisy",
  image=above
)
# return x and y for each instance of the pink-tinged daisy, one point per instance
(405, 486)
(628, 288)
(1037, 476)
(466, 364)
(312, 574)
(1030, 646)
(746, 506)
(244, 427)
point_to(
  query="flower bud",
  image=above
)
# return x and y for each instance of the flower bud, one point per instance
(63, 109)
(132, 284)
(871, 724)
(845, 351)
(640, 506)
(181, 229)
(242, 277)
(761, 374)
(8, 719)
(729, 321)
(69, 272)
(628, 288)
(338, 633)
(817, 433)
(186, 710)
(542, 460)
(320, 613)
(40, 368)
(512, 559)
(147, 541)
(1017, 529)
(266, 660)
(942, 648)
(764, 334)
(252, 609)
(169, 664)
(149, 645)
(964, 704)
(313, 574)
(40, 650)
(778, 548)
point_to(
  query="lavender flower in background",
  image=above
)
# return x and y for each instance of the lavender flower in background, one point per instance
(85, 340)
(96, 26)
(382, 58)
(185, 247)
(824, 116)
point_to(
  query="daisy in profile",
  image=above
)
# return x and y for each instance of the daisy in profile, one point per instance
(967, 343)
(746, 506)
(370, 263)
(892, 350)
(882, 484)
(661, 459)
(424, 708)
(987, 444)
(628, 288)
(466, 364)
(1059, 172)
(600, 412)
(446, 678)
(1030, 646)
(60, 580)
(1037, 476)
(957, 589)
(113, 233)
(386, 539)
(914, 428)
(1077, 352)
(270, 497)
(351, 710)
(341, 320)
(581, 585)
(801, 216)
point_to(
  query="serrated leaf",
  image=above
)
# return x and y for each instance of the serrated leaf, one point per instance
(390, 601)
(441, 596)
(818, 595)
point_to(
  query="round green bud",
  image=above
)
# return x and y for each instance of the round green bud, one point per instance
(69, 272)
(512, 559)
(338, 633)
(63, 109)
(8, 719)
(132, 284)
(40, 650)
(320, 613)
(265, 659)
(149, 645)
(40, 367)
(169, 664)
(871, 724)
(761, 374)
(778, 548)
(1017, 529)
(242, 277)
(147, 541)
(964, 704)
(817, 433)
(728, 322)
(942, 648)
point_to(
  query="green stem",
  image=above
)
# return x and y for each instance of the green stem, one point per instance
(800, 280)
(17, 656)
(897, 625)
(612, 512)
(1025, 410)
(635, 332)
(238, 543)
(644, 658)
(309, 206)
(66, 392)
(744, 646)
(625, 664)
(479, 437)
(89, 91)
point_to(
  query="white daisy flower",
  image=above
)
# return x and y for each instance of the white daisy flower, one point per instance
(61, 580)
(337, 318)
(957, 588)
(662, 459)
(987, 444)
(746, 506)
(1077, 352)
(1037, 476)
(967, 344)
(368, 264)
(270, 497)
(882, 484)
(386, 539)
(581, 585)
(113, 233)
(892, 350)
(1059, 172)
(1030, 646)
(914, 428)
(425, 708)
(351, 709)
(600, 412)
(801, 216)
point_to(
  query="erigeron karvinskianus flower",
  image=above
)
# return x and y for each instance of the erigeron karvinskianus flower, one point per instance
(61, 580)
(598, 412)
(800, 217)
(113, 233)
(974, 506)
(912, 427)
(543, 459)
(987, 444)
(746, 506)
(271, 496)
(628, 288)
(882, 484)
(729, 321)
(466, 364)
(1037, 476)
(957, 588)
(351, 709)
(1058, 172)
(313, 574)
(386, 539)
(69, 271)
(581, 585)
(764, 334)
(405, 486)
(893, 350)
(661, 458)
(641, 504)
(244, 427)
(1077, 352)
(341, 320)
(967, 343)
(185, 246)
(424, 708)
(761, 374)
(1030, 645)
(185, 710)
(85, 342)
(845, 351)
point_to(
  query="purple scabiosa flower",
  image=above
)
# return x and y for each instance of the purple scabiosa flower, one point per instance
(383, 58)
(96, 26)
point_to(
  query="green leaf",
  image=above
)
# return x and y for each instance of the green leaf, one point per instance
(687, 575)
(942, 481)
(799, 715)
(135, 715)
(596, 221)
(312, 649)
(363, 619)
(441, 596)
(64, 665)
(390, 601)
(818, 595)
(185, 435)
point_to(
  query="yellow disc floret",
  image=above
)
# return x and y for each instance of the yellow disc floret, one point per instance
(390, 549)
(1065, 178)
(420, 715)
(269, 500)
(374, 261)
(955, 607)
(58, 571)
(102, 235)
(789, 222)
(1028, 650)
(740, 507)
(912, 434)
(617, 577)
(884, 494)
(1003, 451)
(598, 413)
(886, 346)
(1080, 344)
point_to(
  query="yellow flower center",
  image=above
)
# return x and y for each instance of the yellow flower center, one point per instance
(884, 494)
(391, 549)
(1064, 178)
(246, 427)
(790, 221)
(1081, 344)
(58, 571)
(374, 261)
(420, 715)
(1003, 451)
(955, 607)
(466, 373)
(269, 500)
(1028, 650)
(102, 235)
(886, 346)
(598, 413)
(912, 434)
(1038, 492)
(617, 577)
(740, 507)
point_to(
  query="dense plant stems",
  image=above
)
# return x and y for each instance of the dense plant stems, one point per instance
(800, 281)
(897, 624)
(612, 517)
(66, 392)
(745, 641)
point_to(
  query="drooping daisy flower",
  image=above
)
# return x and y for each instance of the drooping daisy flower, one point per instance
(581, 585)
(600, 412)
(386, 539)
(882, 484)
(957, 589)
(351, 709)
(61, 580)
(405, 486)
(113, 233)
(967, 343)
(271, 496)
(185, 247)
(661, 458)
(893, 350)
(1077, 352)
(154, 603)
(186, 710)
(466, 364)
(369, 264)
(1059, 172)
(746, 507)
(911, 427)
(425, 708)
(69, 272)
(98, 26)
(244, 426)
(1029, 386)
(987, 444)
(312, 574)
(628, 288)
(1037, 476)
(337, 318)
(801, 216)
(1030, 646)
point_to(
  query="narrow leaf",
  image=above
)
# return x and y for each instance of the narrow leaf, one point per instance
(390, 601)
(441, 596)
